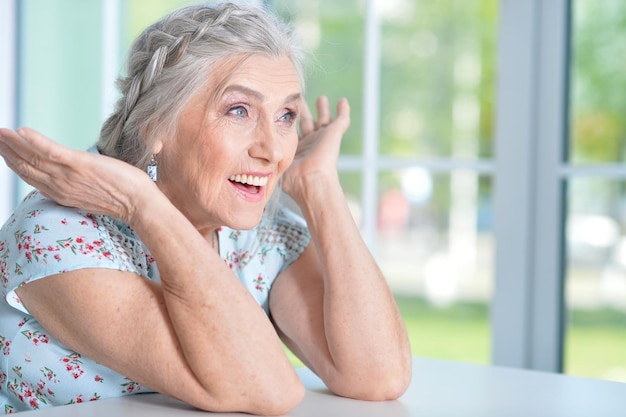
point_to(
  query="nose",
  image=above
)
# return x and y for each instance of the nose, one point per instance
(267, 144)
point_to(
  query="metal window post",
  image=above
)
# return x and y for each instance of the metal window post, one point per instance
(527, 308)
(371, 115)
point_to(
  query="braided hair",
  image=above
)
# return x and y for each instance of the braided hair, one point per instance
(171, 61)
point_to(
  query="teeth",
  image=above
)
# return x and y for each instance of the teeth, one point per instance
(249, 179)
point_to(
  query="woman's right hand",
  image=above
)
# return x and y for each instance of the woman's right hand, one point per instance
(95, 183)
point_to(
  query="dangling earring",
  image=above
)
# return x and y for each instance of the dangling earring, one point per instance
(152, 169)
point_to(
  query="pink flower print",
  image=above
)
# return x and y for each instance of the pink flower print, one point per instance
(6, 345)
(98, 378)
(238, 258)
(49, 375)
(34, 213)
(263, 253)
(80, 240)
(18, 269)
(36, 337)
(83, 223)
(260, 283)
(19, 237)
(72, 365)
(95, 397)
(64, 222)
(130, 387)
(39, 228)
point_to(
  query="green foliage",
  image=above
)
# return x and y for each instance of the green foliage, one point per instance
(594, 347)
(598, 101)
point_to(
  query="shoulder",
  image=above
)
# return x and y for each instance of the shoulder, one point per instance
(42, 238)
(287, 229)
(281, 234)
(259, 255)
(39, 219)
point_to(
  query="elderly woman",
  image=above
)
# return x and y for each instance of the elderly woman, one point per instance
(159, 261)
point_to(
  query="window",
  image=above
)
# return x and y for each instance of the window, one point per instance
(595, 343)
(416, 163)
(483, 164)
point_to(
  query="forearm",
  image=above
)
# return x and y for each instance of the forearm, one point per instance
(363, 327)
(214, 317)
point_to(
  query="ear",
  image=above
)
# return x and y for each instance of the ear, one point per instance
(157, 147)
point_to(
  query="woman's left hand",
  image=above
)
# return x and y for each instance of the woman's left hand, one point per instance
(318, 148)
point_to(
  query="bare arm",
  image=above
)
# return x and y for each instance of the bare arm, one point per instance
(189, 337)
(333, 305)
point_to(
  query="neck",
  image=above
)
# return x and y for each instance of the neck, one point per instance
(212, 237)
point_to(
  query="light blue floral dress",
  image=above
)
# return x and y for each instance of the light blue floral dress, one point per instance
(42, 238)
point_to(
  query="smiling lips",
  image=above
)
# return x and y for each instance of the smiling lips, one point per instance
(250, 185)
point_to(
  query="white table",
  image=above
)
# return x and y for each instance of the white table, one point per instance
(439, 388)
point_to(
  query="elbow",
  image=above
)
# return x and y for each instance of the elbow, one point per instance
(279, 401)
(261, 399)
(374, 385)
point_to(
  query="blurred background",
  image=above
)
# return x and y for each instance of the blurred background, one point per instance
(503, 244)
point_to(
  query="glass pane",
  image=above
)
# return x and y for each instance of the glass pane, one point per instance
(60, 72)
(60, 78)
(333, 31)
(435, 246)
(438, 78)
(598, 82)
(595, 344)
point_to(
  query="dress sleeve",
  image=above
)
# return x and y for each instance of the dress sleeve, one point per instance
(288, 234)
(42, 238)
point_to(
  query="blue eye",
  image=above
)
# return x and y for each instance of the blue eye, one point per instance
(239, 111)
(288, 117)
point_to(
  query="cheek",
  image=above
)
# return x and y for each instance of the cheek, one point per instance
(290, 149)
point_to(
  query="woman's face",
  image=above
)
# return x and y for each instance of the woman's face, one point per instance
(230, 151)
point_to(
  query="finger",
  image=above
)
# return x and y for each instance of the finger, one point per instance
(40, 144)
(21, 146)
(343, 109)
(18, 165)
(341, 123)
(306, 119)
(24, 152)
(323, 112)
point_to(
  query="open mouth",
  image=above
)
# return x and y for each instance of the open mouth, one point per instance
(249, 183)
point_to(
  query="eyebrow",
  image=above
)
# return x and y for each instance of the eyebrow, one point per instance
(257, 95)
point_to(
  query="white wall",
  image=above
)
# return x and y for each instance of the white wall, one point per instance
(8, 25)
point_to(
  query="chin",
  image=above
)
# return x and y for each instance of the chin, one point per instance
(250, 222)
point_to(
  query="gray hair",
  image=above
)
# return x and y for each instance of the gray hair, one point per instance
(171, 61)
